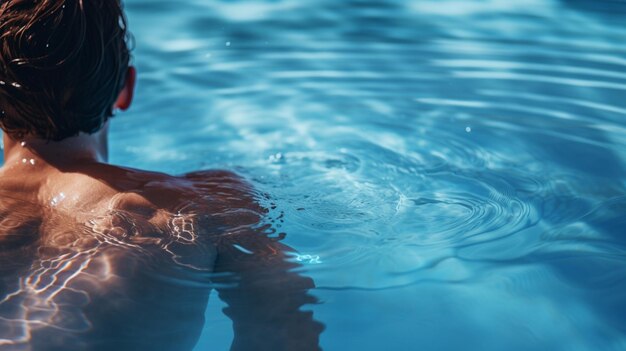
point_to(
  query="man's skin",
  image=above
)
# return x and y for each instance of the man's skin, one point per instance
(99, 257)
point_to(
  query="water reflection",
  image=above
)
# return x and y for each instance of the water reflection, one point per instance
(354, 116)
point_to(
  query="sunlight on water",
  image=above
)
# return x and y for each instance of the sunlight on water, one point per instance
(451, 172)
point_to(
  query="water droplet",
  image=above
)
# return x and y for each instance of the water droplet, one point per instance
(278, 157)
(24, 160)
(468, 129)
(23, 143)
(47, 45)
(228, 43)
(57, 199)
(16, 85)
(32, 161)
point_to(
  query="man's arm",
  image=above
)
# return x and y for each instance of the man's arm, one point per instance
(264, 295)
(253, 275)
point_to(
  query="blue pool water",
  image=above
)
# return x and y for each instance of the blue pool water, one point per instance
(452, 173)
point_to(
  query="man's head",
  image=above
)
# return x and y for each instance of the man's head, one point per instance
(64, 66)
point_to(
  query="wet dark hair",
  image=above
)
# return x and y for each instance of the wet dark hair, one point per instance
(62, 65)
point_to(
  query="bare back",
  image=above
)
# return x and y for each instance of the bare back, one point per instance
(94, 257)
(103, 257)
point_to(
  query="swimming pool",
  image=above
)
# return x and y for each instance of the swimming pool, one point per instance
(451, 172)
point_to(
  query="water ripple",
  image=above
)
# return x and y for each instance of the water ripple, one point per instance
(464, 155)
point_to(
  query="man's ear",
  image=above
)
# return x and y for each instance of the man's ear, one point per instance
(126, 95)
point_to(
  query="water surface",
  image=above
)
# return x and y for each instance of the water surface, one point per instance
(451, 172)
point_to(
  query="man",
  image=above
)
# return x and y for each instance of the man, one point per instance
(99, 257)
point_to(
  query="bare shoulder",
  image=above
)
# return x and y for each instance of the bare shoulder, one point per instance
(228, 193)
(219, 179)
(222, 198)
(208, 189)
(136, 205)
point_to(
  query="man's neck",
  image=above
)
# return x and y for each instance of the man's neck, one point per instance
(83, 148)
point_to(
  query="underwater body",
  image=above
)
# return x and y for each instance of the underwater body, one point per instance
(451, 173)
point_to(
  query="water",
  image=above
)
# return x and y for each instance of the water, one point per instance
(451, 172)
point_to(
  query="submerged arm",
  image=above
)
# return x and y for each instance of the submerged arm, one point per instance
(265, 296)
(253, 275)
